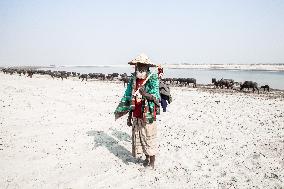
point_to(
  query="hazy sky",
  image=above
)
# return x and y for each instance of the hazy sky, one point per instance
(113, 32)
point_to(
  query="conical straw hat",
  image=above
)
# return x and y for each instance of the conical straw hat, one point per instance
(142, 59)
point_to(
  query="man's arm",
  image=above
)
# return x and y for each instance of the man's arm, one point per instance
(149, 97)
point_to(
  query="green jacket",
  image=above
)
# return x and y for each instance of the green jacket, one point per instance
(127, 102)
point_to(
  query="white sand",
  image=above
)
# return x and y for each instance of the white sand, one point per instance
(62, 134)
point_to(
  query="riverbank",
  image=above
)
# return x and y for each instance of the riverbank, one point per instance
(62, 134)
(203, 75)
(248, 67)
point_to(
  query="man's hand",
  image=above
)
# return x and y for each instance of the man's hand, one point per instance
(129, 122)
(149, 96)
(129, 119)
(142, 91)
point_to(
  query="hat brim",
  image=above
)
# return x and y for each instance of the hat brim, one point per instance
(150, 65)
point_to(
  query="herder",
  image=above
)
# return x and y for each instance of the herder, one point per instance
(164, 92)
(141, 101)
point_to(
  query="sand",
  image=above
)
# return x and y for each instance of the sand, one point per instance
(62, 134)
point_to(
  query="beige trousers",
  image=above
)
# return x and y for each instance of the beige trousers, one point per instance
(143, 137)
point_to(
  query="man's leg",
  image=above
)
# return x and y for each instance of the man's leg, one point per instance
(164, 104)
(152, 161)
(148, 136)
(147, 161)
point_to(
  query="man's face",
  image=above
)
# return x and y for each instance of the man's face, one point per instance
(141, 71)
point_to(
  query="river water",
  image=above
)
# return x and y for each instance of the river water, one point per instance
(275, 79)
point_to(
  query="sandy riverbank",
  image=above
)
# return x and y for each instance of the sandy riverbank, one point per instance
(62, 134)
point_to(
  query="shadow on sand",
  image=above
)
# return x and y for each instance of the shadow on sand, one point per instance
(103, 139)
(122, 136)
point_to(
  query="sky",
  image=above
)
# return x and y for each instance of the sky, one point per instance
(66, 32)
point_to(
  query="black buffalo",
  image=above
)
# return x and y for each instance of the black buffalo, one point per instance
(248, 85)
(228, 83)
(265, 87)
(83, 76)
(187, 81)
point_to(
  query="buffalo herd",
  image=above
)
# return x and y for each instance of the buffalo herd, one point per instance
(59, 74)
(181, 81)
(222, 83)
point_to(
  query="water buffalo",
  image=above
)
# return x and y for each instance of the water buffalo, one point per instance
(125, 79)
(168, 80)
(109, 77)
(58, 74)
(228, 83)
(83, 76)
(265, 87)
(102, 76)
(187, 81)
(64, 75)
(215, 82)
(112, 76)
(93, 75)
(8, 71)
(21, 71)
(248, 85)
(73, 74)
(115, 75)
(30, 73)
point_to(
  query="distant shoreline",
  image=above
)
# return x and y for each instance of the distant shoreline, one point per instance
(229, 67)
(234, 67)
